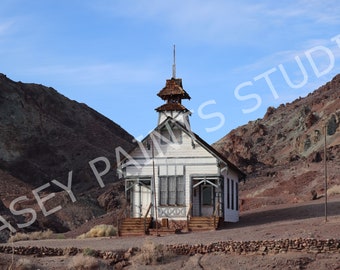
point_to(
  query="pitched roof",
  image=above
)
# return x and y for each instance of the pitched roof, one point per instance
(199, 140)
(204, 144)
(171, 107)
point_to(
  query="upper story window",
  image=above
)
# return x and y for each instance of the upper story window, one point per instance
(171, 135)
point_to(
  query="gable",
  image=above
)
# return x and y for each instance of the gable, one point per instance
(173, 141)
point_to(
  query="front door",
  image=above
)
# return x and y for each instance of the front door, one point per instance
(141, 197)
(145, 199)
(203, 200)
(207, 202)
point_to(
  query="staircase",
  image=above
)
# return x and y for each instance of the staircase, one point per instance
(203, 223)
(134, 226)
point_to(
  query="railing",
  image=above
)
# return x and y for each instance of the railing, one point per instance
(145, 217)
(189, 215)
(216, 214)
(122, 214)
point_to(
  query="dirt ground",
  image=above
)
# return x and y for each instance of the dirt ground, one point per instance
(300, 220)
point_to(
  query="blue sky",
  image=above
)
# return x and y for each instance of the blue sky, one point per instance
(116, 55)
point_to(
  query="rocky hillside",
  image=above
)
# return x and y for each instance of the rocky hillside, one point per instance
(282, 153)
(43, 137)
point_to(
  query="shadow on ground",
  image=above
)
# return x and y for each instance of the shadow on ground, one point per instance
(290, 213)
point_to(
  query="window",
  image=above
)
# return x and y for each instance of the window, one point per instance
(170, 135)
(228, 193)
(172, 190)
(236, 193)
(232, 194)
(207, 195)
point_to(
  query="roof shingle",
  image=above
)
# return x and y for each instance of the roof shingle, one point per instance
(173, 87)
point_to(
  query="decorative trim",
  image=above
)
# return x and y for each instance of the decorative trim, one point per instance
(171, 211)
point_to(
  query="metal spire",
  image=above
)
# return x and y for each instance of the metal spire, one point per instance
(174, 64)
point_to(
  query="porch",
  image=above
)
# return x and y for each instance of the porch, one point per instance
(146, 225)
(202, 210)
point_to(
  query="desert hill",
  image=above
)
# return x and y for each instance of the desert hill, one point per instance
(43, 137)
(283, 152)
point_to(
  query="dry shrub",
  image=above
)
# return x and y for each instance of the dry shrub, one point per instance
(82, 262)
(102, 230)
(333, 190)
(18, 237)
(25, 264)
(151, 254)
(89, 252)
(314, 194)
(30, 236)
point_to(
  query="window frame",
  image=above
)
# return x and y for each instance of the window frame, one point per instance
(207, 195)
(169, 196)
(170, 134)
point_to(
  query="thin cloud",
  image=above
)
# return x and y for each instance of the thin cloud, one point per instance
(206, 22)
(288, 56)
(307, 79)
(317, 11)
(99, 74)
(5, 27)
(225, 22)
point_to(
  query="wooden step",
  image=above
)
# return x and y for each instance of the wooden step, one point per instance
(134, 226)
(203, 223)
(162, 231)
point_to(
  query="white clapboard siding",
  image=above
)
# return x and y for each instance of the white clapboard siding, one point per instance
(191, 159)
(230, 214)
(185, 149)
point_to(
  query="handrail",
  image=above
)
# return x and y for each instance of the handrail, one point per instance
(122, 213)
(146, 215)
(217, 210)
(189, 215)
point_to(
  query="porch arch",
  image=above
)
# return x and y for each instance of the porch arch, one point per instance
(138, 191)
(206, 195)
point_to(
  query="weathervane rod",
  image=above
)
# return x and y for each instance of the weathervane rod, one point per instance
(174, 64)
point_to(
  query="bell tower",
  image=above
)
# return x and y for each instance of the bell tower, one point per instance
(172, 94)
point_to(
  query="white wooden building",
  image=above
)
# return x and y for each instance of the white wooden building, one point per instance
(177, 171)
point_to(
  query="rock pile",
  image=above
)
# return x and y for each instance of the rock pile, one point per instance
(261, 247)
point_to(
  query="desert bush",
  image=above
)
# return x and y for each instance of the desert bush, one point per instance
(4, 236)
(151, 254)
(314, 194)
(332, 125)
(82, 262)
(18, 237)
(25, 264)
(30, 236)
(333, 190)
(59, 236)
(89, 252)
(102, 230)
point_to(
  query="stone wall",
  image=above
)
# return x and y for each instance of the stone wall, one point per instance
(261, 247)
(120, 257)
